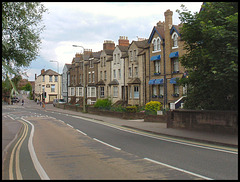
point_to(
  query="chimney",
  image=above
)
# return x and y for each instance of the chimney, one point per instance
(87, 51)
(123, 41)
(160, 24)
(109, 45)
(42, 71)
(168, 20)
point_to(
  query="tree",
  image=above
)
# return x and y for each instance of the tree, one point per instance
(211, 41)
(21, 28)
(27, 87)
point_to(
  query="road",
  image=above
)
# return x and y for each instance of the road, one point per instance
(70, 147)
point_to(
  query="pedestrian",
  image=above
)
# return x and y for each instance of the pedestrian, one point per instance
(22, 102)
(40, 103)
(37, 101)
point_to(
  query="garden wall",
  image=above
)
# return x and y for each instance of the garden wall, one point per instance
(203, 120)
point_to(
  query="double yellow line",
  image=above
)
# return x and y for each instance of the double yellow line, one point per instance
(17, 148)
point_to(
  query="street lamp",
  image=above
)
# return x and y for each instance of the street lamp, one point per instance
(58, 78)
(84, 89)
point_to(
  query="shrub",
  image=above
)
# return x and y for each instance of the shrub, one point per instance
(153, 106)
(103, 103)
(131, 109)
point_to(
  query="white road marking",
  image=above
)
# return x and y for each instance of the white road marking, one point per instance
(106, 144)
(70, 125)
(158, 137)
(179, 169)
(81, 132)
(10, 117)
(43, 175)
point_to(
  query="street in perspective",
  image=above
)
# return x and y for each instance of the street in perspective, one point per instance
(119, 90)
(53, 143)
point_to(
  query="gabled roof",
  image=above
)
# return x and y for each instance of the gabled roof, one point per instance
(159, 31)
(135, 81)
(101, 82)
(176, 29)
(50, 72)
(123, 48)
(114, 82)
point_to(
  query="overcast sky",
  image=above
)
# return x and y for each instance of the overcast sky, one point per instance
(89, 24)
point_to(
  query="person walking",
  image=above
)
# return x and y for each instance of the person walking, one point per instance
(22, 102)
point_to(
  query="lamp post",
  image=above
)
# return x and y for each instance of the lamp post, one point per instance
(58, 78)
(84, 89)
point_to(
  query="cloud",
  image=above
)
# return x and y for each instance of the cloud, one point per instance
(89, 24)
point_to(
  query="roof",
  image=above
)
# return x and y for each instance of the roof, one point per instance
(176, 29)
(159, 31)
(114, 82)
(141, 44)
(135, 81)
(123, 48)
(101, 82)
(50, 72)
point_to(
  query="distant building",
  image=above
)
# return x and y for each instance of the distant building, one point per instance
(50, 82)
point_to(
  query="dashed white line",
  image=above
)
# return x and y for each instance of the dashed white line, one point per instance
(70, 125)
(182, 170)
(106, 144)
(81, 132)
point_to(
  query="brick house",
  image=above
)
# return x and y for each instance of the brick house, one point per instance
(163, 66)
(135, 72)
(104, 69)
(117, 82)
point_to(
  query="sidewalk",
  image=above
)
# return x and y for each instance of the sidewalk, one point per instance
(230, 140)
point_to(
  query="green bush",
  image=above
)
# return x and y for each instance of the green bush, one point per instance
(131, 109)
(103, 103)
(153, 106)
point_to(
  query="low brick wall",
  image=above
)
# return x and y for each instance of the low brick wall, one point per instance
(206, 120)
(155, 118)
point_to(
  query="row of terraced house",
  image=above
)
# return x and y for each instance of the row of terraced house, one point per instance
(129, 73)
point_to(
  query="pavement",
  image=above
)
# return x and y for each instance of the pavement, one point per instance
(225, 139)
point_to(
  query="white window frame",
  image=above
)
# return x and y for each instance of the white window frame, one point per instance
(115, 91)
(52, 89)
(154, 90)
(175, 40)
(157, 66)
(136, 92)
(101, 91)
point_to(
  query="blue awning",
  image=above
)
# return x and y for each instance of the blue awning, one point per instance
(173, 54)
(173, 80)
(154, 58)
(159, 81)
(152, 82)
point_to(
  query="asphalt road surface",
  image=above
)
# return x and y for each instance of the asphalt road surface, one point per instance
(70, 147)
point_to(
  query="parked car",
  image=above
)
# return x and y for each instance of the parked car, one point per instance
(15, 99)
(58, 101)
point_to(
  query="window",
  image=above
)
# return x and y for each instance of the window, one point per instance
(50, 78)
(43, 88)
(131, 55)
(154, 45)
(175, 42)
(130, 72)
(115, 91)
(43, 78)
(93, 77)
(56, 78)
(158, 44)
(90, 63)
(89, 77)
(118, 58)
(100, 75)
(101, 61)
(104, 61)
(80, 91)
(175, 65)
(136, 71)
(114, 74)
(157, 66)
(154, 90)
(52, 88)
(136, 92)
(119, 73)
(135, 55)
(114, 59)
(93, 92)
(80, 78)
(89, 92)
(105, 75)
(72, 91)
(176, 89)
(101, 91)
(161, 90)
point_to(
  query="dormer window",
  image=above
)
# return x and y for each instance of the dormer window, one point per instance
(156, 44)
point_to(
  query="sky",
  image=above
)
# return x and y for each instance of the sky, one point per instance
(88, 24)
